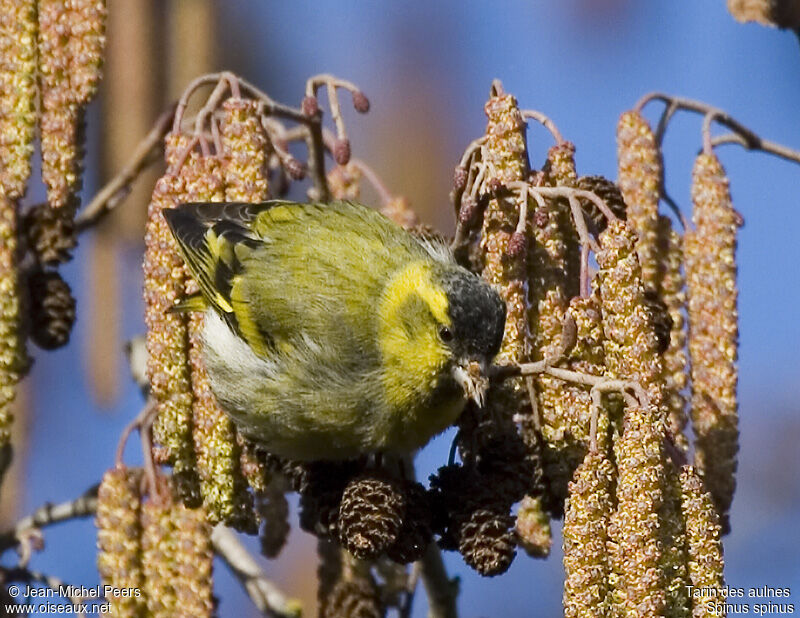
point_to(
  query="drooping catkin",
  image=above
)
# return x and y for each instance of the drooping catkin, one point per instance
(585, 534)
(244, 165)
(532, 527)
(12, 346)
(674, 555)
(566, 423)
(703, 544)
(70, 45)
(119, 556)
(710, 250)
(194, 556)
(167, 335)
(217, 452)
(639, 178)
(672, 290)
(273, 511)
(17, 123)
(399, 210)
(505, 158)
(159, 544)
(244, 147)
(18, 27)
(631, 347)
(635, 547)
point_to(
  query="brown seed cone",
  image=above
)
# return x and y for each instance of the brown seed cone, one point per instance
(371, 514)
(473, 518)
(713, 330)
(634, 547)
(119, 556)
(674, 557)
(586, 519)
(273, 511)
(159, 545)
(672, 290)
(399, 210)
(321, 485)
(193, 560)
(52, 308)
(486, 541)
(50, 234)
(639, 178)
(167, 336)
(780, 13)
(13, 356)
(18, 27)
(222, 484)
(631, 346)
(344, 182)
(533, 527)
(565, 409)
(416, 530)
(244, 147)
(609, 192)
(703, 543)
(355, 598)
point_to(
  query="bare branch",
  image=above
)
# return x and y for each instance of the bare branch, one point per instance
(48, 514)
(773, 148)
(117, 189)
(442, 591)
(266, 596)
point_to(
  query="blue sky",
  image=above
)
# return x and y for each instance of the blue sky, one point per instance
(427, 67)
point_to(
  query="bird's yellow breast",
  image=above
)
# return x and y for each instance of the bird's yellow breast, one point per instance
(411, 311)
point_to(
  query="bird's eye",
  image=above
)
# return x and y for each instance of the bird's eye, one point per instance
(446, 334)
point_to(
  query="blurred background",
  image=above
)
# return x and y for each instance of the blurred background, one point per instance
(427, 67)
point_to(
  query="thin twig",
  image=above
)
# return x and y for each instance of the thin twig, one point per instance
(773, 148)
(712, 114)
(147, 152)
(442, 591)
(545, 121)
(136, 423)
(266, 596)
(48, 514)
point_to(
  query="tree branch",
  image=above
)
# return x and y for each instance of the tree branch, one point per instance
(442, 591)
(265, 595)
(117, 189)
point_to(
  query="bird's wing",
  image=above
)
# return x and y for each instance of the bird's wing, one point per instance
(214, 238)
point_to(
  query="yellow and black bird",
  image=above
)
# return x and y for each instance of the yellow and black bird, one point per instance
(330, 332)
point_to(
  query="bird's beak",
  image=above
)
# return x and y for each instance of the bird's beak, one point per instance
(471, 375)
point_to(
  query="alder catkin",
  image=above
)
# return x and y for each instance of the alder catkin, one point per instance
(585, 534)
(703, 544)
(167, 334)
(639, 179)
(710, 250)
(222, 484)
(119, 550)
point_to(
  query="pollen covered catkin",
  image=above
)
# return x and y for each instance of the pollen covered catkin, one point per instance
(167, 335)
(635, 547)
(713, 330)
(222, 484)
(244, 147)
(18, 28)
(672, 290)
(703, 543)
(586, 520)
(119, 555)
(639, 178)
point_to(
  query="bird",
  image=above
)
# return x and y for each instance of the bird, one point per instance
(330, 332)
